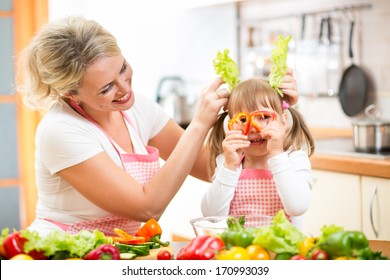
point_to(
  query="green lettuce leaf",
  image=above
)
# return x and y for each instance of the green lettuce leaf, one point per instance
(281, 236)
(226, 68)
(4, 234)
(279, 66)
(327, 230)
(77, 244)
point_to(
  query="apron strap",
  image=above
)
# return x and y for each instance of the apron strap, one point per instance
(81, 111)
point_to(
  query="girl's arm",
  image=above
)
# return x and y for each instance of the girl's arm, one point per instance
(293, 178)
(216, 200)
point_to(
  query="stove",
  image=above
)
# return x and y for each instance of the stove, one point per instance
(344, 147)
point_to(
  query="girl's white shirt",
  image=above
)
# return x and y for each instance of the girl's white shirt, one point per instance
(64, 138)
(292, 175)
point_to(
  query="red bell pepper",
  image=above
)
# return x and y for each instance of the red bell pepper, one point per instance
(152, 231)
(203, 247)
(264, 116)
(13, 245)
(103, 252)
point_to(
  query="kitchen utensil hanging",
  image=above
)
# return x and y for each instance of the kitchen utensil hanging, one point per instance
(353, 89)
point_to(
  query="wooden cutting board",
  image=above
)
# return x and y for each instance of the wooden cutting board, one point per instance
(153, 253)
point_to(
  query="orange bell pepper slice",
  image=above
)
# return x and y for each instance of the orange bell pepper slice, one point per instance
(133, 240)
(241, 121)
(125, 238)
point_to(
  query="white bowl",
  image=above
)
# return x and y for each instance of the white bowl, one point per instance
(215, 225)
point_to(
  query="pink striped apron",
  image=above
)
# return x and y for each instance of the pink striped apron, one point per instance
(255, 195)
(141, 167)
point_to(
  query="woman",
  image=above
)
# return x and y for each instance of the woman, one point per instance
(97, 132)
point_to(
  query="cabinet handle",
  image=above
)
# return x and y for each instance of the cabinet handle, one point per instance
(374, 192)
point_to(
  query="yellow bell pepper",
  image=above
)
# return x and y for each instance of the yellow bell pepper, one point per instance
(234, 253)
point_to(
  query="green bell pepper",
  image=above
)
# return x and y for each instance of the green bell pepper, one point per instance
(237, 234)
(345, 243)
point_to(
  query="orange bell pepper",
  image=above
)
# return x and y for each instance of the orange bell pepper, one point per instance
(151, 231)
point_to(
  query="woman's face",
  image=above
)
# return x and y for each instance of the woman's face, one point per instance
(107, 85)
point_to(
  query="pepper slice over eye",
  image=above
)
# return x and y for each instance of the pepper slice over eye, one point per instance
(260, 119)
(241, 121)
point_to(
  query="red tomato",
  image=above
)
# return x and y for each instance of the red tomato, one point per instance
(164, 255)
(298, 258)
(319, 254)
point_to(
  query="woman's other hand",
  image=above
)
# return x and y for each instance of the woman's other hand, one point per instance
(211, 100)
(289, 87)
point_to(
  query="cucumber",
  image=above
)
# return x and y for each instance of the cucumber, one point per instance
(139, 249)
(128, 256)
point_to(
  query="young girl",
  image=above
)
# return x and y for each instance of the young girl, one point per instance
(256, 150)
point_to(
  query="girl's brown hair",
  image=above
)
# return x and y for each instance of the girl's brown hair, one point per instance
(247, 96)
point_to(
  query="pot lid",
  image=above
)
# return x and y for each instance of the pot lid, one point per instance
(373, 117)
(367, 122)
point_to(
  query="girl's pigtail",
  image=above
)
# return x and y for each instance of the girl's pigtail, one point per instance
(214, 142)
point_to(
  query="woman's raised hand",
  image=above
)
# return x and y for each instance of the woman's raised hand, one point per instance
(211, 100)
(289, 87)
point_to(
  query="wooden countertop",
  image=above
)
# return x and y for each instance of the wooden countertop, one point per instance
(380, 245)
(340, 163)
(353, 165)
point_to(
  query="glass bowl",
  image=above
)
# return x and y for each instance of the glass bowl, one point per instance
(215, 225)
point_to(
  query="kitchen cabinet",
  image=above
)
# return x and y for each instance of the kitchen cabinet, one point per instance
(376, 207)
(355, 202)
(336, 199)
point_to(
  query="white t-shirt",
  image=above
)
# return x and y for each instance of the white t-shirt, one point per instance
(65, 138)
(292, 175)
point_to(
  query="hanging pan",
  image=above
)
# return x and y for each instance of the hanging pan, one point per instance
(353, 88)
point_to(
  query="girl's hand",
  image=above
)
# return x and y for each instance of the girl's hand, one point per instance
(210, 102)
(232, 147)
(274, 132)
(289, 87)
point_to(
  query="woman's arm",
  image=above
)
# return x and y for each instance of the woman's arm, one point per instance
(293, 178)
(108, 186)
(173, 132)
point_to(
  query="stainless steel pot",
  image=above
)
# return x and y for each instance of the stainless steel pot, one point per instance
(372, 134)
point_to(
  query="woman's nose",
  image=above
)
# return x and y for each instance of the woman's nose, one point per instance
(124, 85)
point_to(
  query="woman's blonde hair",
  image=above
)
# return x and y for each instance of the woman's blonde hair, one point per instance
(57, 57)
(248, 95)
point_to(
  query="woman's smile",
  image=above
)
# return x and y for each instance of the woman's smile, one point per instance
(122, 99)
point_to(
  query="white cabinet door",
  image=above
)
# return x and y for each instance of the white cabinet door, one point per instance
(376, 207)
(336, 199)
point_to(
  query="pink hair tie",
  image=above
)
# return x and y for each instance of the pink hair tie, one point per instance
(285, 105)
